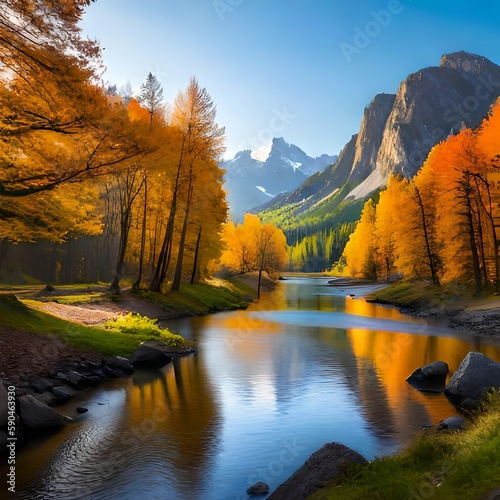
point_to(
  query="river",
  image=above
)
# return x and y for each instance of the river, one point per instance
(270, 385)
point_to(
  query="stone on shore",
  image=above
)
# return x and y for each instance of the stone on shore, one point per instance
(36, 415)
(476, 374)
(455, 423)
(119, 363)
(151, 354)
(322, 467)
(430, 378)
(259, 488)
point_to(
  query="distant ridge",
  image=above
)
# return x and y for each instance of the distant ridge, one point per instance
(250, 182)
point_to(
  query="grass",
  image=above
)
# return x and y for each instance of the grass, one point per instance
(78, 299)
(120, 337)
(18, 315)
(441, 465)
(201, 298)
(419, 293)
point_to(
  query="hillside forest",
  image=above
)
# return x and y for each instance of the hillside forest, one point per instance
(443, 224)
(96, 182)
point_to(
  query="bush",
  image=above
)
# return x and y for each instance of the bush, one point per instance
(134, 323)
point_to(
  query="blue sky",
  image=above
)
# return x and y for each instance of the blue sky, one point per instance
(300, 69)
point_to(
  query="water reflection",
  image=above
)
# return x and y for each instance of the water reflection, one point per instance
(145, 436)
(303, 367)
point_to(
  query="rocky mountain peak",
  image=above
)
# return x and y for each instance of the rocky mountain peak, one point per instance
(466, 63)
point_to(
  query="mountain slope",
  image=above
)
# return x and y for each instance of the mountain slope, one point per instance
(398, 131)
(395, 136)
(250, 182)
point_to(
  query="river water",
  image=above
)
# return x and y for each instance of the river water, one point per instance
(270, 385)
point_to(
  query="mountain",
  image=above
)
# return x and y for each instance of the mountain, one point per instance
(398, 130)
(396, 134)
(250, 182)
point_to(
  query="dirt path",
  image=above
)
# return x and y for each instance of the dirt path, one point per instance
(25, 356)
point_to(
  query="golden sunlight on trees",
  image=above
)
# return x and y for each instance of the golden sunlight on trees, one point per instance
(196, 178)
(443, 225)
(77, 159)
(253, 246)
(56, 124)
(361, 249)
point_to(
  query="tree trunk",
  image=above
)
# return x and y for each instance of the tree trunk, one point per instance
(137, 283)
(430, 256)
(258, 283)
(196, 253)
(124, 230)
(473, 247)
(164, 257)
(176, 283)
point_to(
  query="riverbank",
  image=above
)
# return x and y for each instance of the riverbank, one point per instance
(438, 464)
(42, 329)
(58, 341)
(454, 305)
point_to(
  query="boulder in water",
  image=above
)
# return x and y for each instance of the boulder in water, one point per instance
(476, 374)
(430, 378)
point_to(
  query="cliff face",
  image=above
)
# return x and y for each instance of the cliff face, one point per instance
(398, 131)
(370, 136)
(433, 103)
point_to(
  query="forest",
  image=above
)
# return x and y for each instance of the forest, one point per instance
(443, 224)
(96, 182)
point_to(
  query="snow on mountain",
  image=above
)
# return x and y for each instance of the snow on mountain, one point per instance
(251, 177)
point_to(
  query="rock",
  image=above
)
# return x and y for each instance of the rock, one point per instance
(81, 409)
(62, 377)
(99, 374)
(469, 405)
(80, 381)
(3, 405)
(151, 355)
(47, 397)
(75, 379)
(111, 373)
(430, 378)
(120, 363)
(36, 415)
(63, 393)
(40, 385)
(49, 288)
(323, 466)
(456, 423)
(259, 488)
(476, 374)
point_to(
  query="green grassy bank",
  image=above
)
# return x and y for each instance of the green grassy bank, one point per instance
(438, 465)
(119, 338)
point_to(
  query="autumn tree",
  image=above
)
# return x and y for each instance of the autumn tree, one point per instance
(151, 96)
(360, 251)
(57, 126)
(387, 219)
(252, 246)
(199, 145)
